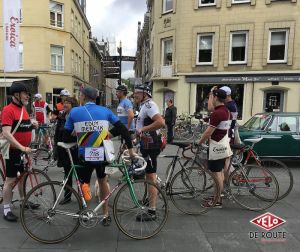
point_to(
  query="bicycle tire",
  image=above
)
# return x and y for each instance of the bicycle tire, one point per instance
(49, 227)
(282, 173)
(126, 218)
(33, 178)
(2, 179)
(190, 187)
(249, 192)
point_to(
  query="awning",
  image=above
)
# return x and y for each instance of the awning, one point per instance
(8, 81)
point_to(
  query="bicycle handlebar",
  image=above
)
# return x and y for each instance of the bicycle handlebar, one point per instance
(125, 156)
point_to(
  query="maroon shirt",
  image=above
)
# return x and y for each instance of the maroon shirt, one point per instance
(220, 114)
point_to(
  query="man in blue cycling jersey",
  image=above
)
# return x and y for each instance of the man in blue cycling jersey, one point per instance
(90, 123)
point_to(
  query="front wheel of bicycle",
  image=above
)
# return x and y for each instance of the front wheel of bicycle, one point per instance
(191, 187)
(44, 219)
(282, 173)
(1, 185)
(253, 187)
(138, 221)
(32, 178)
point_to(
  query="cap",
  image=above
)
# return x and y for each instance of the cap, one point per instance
(39, 96)
(90, 92)
(18, 87)
(64, 92)
(227, 90)
(220, 93)
(122, 88)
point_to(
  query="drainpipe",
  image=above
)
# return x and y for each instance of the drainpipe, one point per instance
(252, 98)
(190, 98)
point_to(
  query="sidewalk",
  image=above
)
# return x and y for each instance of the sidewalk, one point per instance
(221, 230)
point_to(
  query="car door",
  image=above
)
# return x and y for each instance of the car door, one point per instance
(281, 138)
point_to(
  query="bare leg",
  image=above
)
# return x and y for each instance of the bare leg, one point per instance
(7, 190)
(226, 169)
(152, 191)
(104, 191)
(220, 178)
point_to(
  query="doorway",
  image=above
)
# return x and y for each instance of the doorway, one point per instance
(273, 101)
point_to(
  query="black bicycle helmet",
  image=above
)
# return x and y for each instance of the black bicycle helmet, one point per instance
(122, 88)
(145, 88)
(18, 87)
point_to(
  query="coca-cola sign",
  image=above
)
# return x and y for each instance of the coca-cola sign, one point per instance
(11, 24)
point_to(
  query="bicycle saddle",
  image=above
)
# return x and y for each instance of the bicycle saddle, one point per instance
(237, 146)
(253, 140)
(66, 145)
(181, 144)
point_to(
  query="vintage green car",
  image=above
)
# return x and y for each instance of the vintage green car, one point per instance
(280, 132)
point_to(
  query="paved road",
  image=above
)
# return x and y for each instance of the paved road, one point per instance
(224, 229)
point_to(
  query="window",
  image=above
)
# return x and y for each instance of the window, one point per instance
(79, 66)
(284, 124)
(241, 1)
(56, 14)
(72, 61)
(167, 49)
(238, 47)
(72, 20)
(21, 66)
(57, 58)
(76, 63)
(278, 44)
(167, 6)
(258, 122)
(205, 49)
(207, 2)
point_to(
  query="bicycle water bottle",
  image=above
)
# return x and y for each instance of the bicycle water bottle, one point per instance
(86, 191)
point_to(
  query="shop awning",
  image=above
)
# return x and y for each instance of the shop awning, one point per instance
(8, 81)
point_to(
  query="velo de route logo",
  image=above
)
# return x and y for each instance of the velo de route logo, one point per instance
(268, 222)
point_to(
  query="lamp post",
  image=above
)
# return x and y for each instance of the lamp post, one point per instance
(119, 49)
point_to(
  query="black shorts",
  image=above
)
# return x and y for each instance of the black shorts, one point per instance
(151, 158)
(85, 172)
(13, 164)
(216, 165)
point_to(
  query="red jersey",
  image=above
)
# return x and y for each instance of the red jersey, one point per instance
(40, 108)
(10, 117)
(221, 120)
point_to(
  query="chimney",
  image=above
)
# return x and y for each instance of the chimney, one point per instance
(139, 27)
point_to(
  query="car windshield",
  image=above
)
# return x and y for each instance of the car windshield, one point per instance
(257, 122)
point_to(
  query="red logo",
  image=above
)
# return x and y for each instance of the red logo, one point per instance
(268, 221)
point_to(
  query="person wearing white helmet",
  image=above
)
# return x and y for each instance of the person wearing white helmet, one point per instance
(63, 95)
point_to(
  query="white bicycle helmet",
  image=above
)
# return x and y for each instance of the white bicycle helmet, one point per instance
(39, 96)
(64, 92)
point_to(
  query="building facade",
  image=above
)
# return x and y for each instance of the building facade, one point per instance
(250, 45)
(54, 48)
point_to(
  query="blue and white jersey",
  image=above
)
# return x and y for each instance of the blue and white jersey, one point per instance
(122, 112)
(91, 124)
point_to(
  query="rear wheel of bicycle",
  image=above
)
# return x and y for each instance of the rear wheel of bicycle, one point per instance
(33, 178)
(135, 221)
(46, 223)
(253, 187)
(282, 173)
(1, 185)
(191, 188)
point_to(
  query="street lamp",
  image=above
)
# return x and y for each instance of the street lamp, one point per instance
(119, 49)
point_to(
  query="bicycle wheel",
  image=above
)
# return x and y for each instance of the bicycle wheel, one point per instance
(282, 173)
(1, 185)
(50, 222)
(33, 178)
(190, 187)
(129, 219)
(253, 187)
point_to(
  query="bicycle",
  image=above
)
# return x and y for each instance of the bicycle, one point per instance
(30, 177)
(282, 173)
(252, 187)
(53, 223)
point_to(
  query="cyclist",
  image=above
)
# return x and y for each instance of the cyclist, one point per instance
(91, 123)
(63, 95)
(148, 123)
(218, 125)
(41, 111)
(232, 107)
(20, 141)
(125, 108)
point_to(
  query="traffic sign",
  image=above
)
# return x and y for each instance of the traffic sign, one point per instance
(109, 70)
(113, 76)
(111, 58)
(111, 63)
(128, 58)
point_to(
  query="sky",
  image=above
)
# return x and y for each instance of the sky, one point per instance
(119, 19)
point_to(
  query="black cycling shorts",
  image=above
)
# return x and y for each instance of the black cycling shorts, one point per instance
(216, 165)
(151, 157)
(13, 164)
(85, 172)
